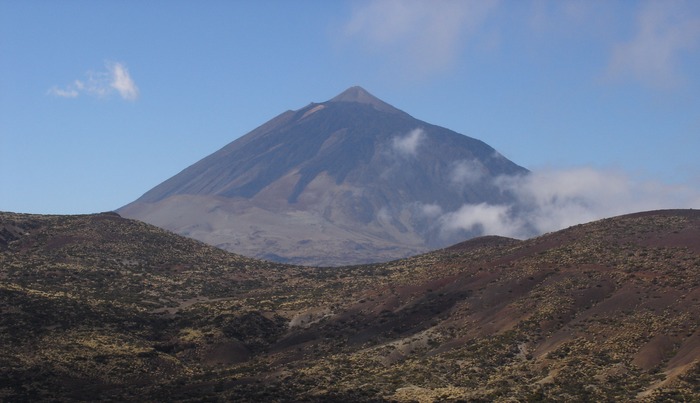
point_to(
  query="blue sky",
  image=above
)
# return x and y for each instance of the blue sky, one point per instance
(100, 101)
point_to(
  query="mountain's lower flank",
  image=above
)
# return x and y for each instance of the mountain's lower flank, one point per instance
(98, 307)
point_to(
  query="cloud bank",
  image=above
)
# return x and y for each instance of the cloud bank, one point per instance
(101, 84)
(552, 200)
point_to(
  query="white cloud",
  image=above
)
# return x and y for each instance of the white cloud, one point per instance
(665, 31)
(101, 84)
(63, 93)
(466, 172)
(483, 218)
(408, 144)
(383, 215)
(431, 210)
(427, 35)
(551, 200)
(122, 82)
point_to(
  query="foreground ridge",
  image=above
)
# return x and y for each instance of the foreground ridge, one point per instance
(98, 307)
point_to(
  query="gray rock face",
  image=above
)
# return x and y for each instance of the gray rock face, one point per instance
(350, 180)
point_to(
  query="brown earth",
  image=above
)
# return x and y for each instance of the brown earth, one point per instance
(103, 308)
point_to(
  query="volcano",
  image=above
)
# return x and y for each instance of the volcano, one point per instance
(347, 181)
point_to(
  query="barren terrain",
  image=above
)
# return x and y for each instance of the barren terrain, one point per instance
(98, 307)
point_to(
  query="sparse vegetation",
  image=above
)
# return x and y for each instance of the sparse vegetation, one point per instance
(98, 307)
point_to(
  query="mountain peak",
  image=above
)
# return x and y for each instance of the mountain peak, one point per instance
(355, 94)
(358, 94)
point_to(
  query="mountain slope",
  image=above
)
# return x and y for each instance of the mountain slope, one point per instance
(104, 308)
(354, 178)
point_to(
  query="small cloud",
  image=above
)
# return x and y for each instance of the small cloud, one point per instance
(466, 172)
(665, 32)
(122, 82)
(101, 84)
(431, 210)
(383, 215)
(408, 144)
(63, 93)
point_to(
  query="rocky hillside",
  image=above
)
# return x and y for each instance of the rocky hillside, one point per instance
(104, 308)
